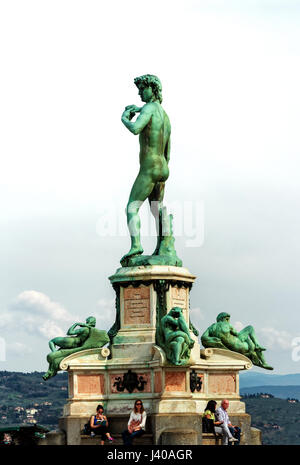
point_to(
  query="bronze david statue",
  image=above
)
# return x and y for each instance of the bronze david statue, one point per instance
(154, 130)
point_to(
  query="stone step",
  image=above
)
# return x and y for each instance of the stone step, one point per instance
(87, 440)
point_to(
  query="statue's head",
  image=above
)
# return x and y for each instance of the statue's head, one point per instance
(176, 312)
(223, 316)
(150, 88)
(91, 321)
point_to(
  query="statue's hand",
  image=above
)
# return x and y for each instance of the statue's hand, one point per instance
(133, 108)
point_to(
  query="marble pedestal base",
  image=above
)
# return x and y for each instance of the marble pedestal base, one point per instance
(167, 391)
(174, 397)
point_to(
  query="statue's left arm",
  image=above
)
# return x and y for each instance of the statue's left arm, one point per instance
(142, 120)
(74, 332)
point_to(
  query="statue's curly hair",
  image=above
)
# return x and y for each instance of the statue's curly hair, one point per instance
(150, 80)
(222, 315)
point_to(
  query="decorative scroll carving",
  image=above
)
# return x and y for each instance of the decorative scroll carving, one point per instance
(130, 382)
(195, 381)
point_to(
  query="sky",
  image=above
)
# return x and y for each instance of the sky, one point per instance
(230, 73)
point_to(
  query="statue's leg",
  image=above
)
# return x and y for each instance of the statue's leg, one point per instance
(52, 344)
(180, 334)
(156, 203)
(177, 349)
(140, 191)
(259, 360)
(249, 332)
(183, 326)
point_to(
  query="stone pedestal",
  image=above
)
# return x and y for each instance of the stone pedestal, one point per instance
(135, 367)
(144, 295)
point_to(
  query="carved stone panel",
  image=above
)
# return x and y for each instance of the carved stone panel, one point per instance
(117, 384)
(90, 384)
(222, 383)
(136, 306)
(175, 381)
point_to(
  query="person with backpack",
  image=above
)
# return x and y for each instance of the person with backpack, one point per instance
(99, 425)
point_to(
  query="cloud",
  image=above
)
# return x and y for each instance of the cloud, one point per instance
(275, 339)
(18, 348)
(105, 315)
(196, 315)
(50, 329)
(238, 325)
(40, 304)
(34, 312)
(5, 320)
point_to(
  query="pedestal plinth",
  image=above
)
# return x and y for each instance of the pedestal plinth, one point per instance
(137, 367)
(144, 295)
(167, 391)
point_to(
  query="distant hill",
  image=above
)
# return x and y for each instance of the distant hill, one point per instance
(22, 391)
(278, 420)
(281, 392)
(253, 378)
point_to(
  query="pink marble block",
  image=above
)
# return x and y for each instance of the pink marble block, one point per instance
(222, 383)
(157, 381)
(114, 378)
(90, 384)
(175, 381)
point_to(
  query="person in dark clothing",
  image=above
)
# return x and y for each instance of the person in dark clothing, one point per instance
(99, 425)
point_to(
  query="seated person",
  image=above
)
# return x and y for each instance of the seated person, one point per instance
(136, 423)
(222, 416)
(213, 425)
(99, 425)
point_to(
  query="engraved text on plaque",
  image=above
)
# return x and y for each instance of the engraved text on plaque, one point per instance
(137, 306)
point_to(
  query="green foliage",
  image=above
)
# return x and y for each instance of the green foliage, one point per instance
(278, 419)
(27, 389)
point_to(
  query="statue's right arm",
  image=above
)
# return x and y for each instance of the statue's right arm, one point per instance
(142, 121)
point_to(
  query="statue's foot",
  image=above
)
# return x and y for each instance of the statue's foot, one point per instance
(132, 252)
(267, 367)
(47, 375)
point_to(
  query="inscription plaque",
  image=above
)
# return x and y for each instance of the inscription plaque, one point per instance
(179, 299)
(137, 306)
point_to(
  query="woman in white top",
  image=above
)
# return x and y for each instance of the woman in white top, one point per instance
(136, 423)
